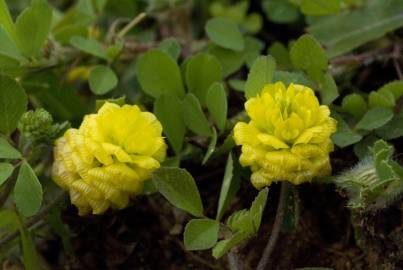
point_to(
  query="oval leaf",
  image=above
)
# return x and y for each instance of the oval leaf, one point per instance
(167, 108)
(201, 71)
(307, 54)
(159, 74)
(89, 45)
(27, 191)
(217, 104)
(375, 118)
(8, 151)
(225, 33)
(201, 234)
(102, 79)
(179, 188)
(6, 169)
(32, 28)
(13, 103)
(194, 117)
(260, 74)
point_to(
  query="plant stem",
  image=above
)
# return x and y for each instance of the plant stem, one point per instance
(233, 261)
(264, 260)
(131, 24)
(35, 219)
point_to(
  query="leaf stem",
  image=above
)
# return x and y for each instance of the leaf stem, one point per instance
(35, 219)
(264, 260)
(131, 24)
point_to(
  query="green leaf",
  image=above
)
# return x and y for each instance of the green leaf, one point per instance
(32, 28)
(6, 169)
(27, 191)
(194, 117)
(257, 208)
(211, 146)
(90, 46)
(344, 32)
(171, 46)
(320, 7)
(396, 88)
(230, 60)
(179, 188)
(253, 48)
(8, 47)
(381, 99)
(280, 11)
(201, 234)
(102, 79)
(13, 103)
(230, 186)
(6, 22)
(393, 129)
(75, 22)
(328, 89)
(31, 258)
(281, 54)
(344, 136)
(375, 118)
(7, 151)
(217, 104)
(260, 74)
(159, 74)
(119, 101)
(8, 222)
(224, 246)
(201, 71)
(308, 55)
(225, 33)
(291, 77)
(237, 85)
(361, 149)
(241, 221)
(354, 104)
(113, 51)
(60, 99)
(167, 108)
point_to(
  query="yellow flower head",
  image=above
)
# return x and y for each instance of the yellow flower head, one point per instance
(288, 136)
(107, 159)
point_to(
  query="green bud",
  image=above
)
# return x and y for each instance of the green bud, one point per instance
(35, 123)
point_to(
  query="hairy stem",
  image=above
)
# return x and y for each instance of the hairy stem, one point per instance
(264, 260)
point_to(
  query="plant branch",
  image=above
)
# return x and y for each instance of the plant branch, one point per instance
(35, 219)
(276, 227)
(233, 261)
(131, 24)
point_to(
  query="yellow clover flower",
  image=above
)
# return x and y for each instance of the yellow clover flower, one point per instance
(288, 136)
(107, 159)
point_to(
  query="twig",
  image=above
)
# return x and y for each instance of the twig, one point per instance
(365, 57)
(233, 261)
(35, 219)
(131, 24)
(396, 57)
(276, 227)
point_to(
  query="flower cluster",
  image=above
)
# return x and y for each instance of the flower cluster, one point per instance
(107, 159)
(288, 136)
